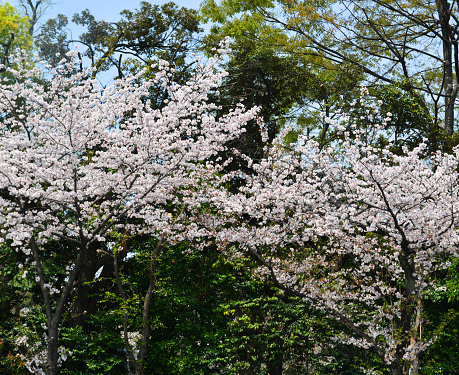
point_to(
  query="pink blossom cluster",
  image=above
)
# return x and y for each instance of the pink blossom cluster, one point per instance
(82, 164)
(356, 230)
(76, 159)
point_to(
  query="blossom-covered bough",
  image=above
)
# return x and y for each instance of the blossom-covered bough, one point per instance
(356, 230)
(81, 164)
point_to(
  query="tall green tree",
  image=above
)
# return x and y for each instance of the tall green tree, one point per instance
(140, 37)
(303, 83)
(13, 34)
(391, 43)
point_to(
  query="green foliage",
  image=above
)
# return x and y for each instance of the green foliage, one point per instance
(339, 45)
(264, 332)
(14, 36)
(290, 82)
(452, 281)
(260, 78)
(139, 37)
(95, 349)
(411, 121)
(52, 42)
(14, 29)
(17, 296)
(209, 315)
(442, 326)
(184, 325)
(10, 364)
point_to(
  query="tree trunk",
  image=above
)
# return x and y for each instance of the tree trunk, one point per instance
(275, 368)
(147, 302)
(53, 319)
(407, 311)
(137, 363)
(444, 14)
(415, 338)
(53, 350)
(83, 289)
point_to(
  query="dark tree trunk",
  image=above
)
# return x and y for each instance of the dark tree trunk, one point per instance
(275, 368)
(444, 14)
(87, 291)
(53, 350)
(82, 290)
(53, 318)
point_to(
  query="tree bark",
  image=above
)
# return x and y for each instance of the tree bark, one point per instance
(53, 319)
(137, 363)
(444, 14)
(275, 368)
(147, 302)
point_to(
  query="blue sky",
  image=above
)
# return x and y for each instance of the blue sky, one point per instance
(107, 10)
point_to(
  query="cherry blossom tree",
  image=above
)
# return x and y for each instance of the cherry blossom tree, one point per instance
(357, 231)
(80, 165)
